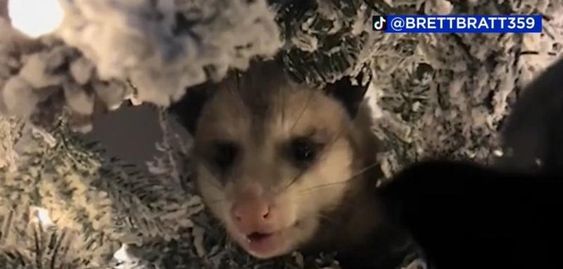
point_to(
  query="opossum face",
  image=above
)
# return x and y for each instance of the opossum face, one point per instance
(271, 159)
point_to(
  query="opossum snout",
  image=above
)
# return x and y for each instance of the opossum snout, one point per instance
(253, 212)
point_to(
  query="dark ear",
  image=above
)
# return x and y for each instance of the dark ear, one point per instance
(348, 94)
(188, 109)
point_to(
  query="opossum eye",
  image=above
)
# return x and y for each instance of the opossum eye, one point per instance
(224, 154)
(303, 151)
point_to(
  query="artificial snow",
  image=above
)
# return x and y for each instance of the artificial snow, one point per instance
(145, 40)
(159, 47)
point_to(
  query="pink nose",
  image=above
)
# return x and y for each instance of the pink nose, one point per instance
(251, 210)
(251, 213)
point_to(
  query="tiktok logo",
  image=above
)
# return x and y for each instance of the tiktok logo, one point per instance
(379, 23)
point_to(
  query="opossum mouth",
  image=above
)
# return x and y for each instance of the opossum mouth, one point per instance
(253, 237)
(265, 245)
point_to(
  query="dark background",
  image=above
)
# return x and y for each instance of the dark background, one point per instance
(130, 133)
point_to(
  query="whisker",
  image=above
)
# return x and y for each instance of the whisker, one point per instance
(310, 97)
(215, 201)
(292, 181)
(237, 96)
(330, 144)
(214, 180)
(301, 173)
(353, 177)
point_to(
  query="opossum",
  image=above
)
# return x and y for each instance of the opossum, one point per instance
(285, 166)
(288, 168)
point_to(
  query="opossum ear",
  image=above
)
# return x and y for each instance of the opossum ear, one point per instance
(188, 109)
(349, 94)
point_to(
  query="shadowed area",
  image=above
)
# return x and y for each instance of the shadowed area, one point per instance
(129, 133)
(533, 134)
